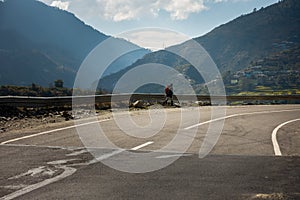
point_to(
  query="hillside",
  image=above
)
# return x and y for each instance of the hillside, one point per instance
(253, 36)
(240, 44)
(40, 44)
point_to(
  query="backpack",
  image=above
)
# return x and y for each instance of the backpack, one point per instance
(167, 90)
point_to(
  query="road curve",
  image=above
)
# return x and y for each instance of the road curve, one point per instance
(244, 153)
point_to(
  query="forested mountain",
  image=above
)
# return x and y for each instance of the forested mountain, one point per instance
(238, 46)
(40, 44)
(254, 36)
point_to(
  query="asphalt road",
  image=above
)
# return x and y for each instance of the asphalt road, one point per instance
(163, 153)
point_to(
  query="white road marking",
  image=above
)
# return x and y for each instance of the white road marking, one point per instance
(52, 131)
(274, 138)
(44, 146)
(14, 187)
(118, 151)
(187, 128)
(68, 171)
(39, 171)
(106, 156)
(174, 155)
(237, 115)
(61, 162)
(141, 146)
(76, 153)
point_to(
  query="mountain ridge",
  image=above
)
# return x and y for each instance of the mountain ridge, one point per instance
(238, 45)
(40, 44)
(261, 29)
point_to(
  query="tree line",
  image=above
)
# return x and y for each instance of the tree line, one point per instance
(35, 90)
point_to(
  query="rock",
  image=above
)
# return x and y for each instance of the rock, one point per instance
(177, 105)
(203, 103)
(44, 119)
(3, 119)
(67, 115)
(138, 104)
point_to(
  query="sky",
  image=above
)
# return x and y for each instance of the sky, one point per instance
(192, 18)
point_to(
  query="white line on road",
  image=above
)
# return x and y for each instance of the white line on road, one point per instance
(174, 155)
(236, 115)
(106, 156)
(274, 138)
(54, 130)
(118, 151)
(187, 128)
(68, 171)
(141, 146)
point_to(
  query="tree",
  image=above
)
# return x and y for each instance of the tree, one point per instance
(247, 84)
(34, 87)
(227, 77)
(59, 83)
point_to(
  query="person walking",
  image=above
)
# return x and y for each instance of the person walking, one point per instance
(169, 94)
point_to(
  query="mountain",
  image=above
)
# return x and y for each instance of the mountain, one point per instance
(40, 44)
(254, 36)
(241, 44)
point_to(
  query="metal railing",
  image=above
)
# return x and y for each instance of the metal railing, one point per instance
(21, 101)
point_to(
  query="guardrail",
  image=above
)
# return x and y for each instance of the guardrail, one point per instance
(18, 101)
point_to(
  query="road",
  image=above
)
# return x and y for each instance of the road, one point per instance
(164, 159)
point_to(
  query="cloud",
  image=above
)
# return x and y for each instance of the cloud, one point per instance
(154, 38)
(181, 9)
(220, 1)
(119, 10)
(122, 10)
(60, 4)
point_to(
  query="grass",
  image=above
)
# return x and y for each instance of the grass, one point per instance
(261, 90)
